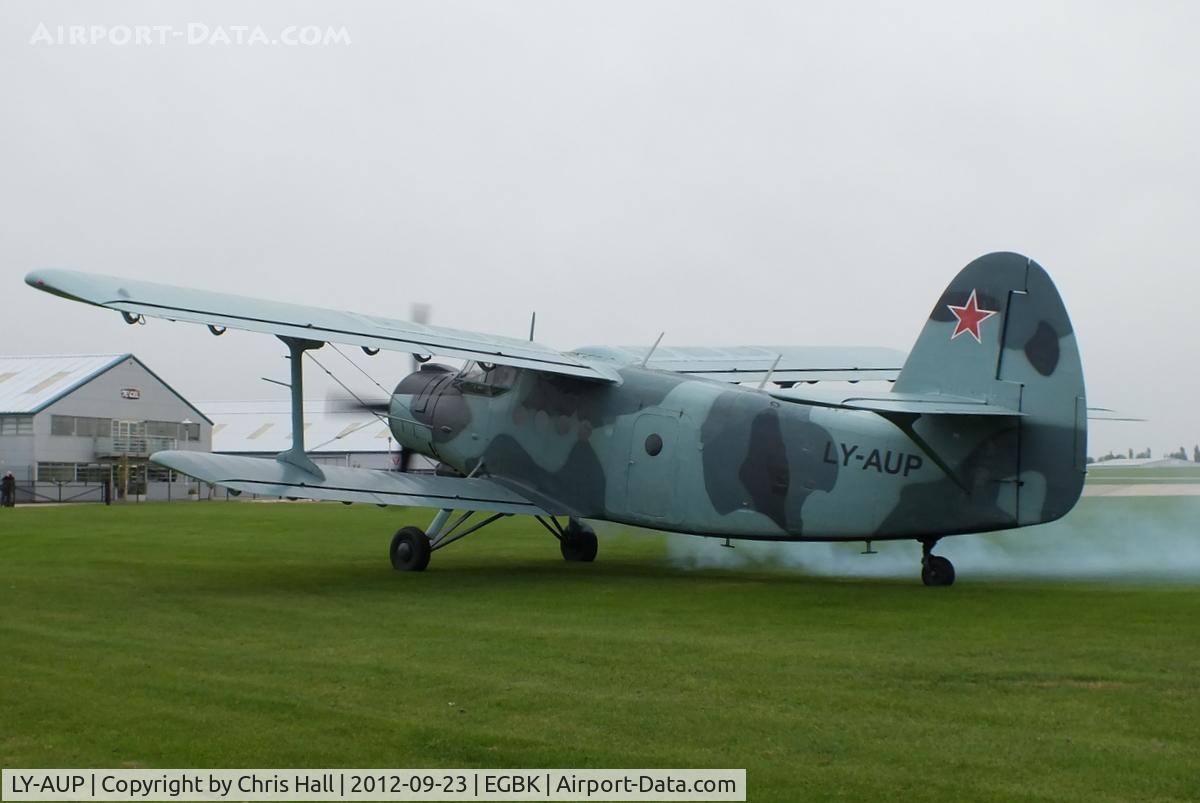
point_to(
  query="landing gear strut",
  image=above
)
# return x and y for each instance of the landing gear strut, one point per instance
(577, 540)
(935, 570)
(412, 546)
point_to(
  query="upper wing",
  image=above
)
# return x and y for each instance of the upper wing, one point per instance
(310, 323)
(267, 477)
(753, 363)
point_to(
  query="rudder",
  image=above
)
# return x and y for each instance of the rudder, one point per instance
(1000, 333)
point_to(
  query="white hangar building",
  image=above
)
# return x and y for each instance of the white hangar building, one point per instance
(264, 429)
(69, 425)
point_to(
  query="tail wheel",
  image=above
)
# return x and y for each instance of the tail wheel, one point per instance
(937, 571)
(410, 550)
(578, 543)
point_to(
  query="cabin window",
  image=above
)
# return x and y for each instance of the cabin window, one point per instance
(486, 379)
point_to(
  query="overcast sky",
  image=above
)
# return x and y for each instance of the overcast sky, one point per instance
(731, 173)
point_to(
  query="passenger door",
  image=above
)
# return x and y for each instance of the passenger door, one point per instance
(653, 459)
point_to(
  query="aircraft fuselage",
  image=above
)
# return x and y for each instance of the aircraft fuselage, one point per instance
(670, 452)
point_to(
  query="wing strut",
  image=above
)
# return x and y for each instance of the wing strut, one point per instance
(296, 455)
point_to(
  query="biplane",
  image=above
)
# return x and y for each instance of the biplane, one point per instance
(983, 426)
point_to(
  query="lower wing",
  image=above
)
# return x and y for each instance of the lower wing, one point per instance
(267, 477)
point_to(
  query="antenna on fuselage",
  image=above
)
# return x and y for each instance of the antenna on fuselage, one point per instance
(532, 324)
(767, 378)
(646, 359)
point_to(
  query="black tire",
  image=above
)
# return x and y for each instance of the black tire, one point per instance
(410, 550)
(579, 543)
(937, 571)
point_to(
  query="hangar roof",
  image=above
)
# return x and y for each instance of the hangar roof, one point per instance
(248, 427)
(27, 384)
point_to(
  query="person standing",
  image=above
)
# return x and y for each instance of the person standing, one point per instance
(8, 490)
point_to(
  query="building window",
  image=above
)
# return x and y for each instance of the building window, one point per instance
(55, 472)
(87, 473)
(162, 429)
(174, 430)
(80, 426)
(159, 474)
(93, 427)
(90, 473)
(16, 425)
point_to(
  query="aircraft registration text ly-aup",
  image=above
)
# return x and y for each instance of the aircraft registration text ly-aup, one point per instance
(902, 463)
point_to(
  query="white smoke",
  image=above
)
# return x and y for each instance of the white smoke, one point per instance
(1151, 539)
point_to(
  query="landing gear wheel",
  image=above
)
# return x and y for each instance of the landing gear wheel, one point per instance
(578, 543)
(937, 571)
(410, 550)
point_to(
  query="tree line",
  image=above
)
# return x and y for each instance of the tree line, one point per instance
(1146, 454)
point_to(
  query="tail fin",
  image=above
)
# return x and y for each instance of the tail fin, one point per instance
(1000, 333)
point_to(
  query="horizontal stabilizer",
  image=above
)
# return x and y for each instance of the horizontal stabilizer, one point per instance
(886, 403)
(267, 477)
(1105, 414)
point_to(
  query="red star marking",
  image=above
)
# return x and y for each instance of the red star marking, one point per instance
(969, 318)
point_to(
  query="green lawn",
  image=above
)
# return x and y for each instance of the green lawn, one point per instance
(276, 635)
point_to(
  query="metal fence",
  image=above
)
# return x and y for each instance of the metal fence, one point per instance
(35, 492)
(183, 490)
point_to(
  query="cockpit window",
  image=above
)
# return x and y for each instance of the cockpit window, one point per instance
(485, 379)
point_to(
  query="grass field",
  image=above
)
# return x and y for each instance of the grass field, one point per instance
(276, 635)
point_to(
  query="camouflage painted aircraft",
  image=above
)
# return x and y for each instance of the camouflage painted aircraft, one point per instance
(984, 427)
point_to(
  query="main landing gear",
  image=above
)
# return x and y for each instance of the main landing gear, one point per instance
(935, 570)
(412, 547)
(410, 550)
(577, 540)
